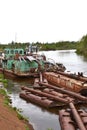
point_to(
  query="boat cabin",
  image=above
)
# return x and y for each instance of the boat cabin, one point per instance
(10, 52)
(32, 49)
(16, 61)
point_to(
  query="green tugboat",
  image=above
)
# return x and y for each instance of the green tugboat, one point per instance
(21, 63)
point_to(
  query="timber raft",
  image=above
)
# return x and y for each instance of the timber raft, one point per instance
(50, 96)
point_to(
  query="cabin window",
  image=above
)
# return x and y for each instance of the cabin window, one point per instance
(12, 51)
(20, 52)
(6, 51)
(16, 51)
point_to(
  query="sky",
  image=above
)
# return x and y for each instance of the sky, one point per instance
(42, 20)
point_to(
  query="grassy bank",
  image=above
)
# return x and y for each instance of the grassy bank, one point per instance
(10, 118)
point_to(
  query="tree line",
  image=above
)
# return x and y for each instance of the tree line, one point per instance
(62, 45)
(80, 46)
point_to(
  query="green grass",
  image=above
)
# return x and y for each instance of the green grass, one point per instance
(7, 99)
(3, 92)
(20, 117)
(1, 76)
(26, 127)
(4, 81)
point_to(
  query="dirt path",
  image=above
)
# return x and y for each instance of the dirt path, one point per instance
(9, 119)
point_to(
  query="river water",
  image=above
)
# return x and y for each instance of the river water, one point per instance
(41, 118)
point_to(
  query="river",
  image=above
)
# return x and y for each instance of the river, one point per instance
(41, 118)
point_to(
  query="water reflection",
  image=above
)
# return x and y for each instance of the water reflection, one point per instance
(73, 62)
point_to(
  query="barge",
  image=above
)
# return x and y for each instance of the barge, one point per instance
(66, 82)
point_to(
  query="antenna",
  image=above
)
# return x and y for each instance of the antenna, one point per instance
(15, 37)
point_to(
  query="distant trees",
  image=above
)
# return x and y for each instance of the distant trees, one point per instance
(62, 45)
(82, 46)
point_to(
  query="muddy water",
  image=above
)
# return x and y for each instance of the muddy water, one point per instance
(41, 118)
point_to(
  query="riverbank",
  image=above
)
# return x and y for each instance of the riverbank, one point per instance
(9, 119)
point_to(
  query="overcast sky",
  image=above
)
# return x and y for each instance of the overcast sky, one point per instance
(42, 20)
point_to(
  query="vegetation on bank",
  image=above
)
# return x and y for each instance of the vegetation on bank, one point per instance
(62, 45)
(80, 46)
(7, 101)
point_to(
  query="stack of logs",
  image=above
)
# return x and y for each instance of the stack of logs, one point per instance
(73, 119)
(49, 96)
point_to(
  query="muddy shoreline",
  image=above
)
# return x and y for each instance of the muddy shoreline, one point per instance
(9, 119)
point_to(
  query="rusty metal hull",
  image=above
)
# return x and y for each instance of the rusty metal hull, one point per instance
(10, 73)
(74, 76)
(66, 82)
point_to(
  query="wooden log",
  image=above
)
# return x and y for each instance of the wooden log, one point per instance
(42, 101)
(62, 90)
(56, 98)
(83, 116)
(65, 120)
(77, 117)
(51, 91)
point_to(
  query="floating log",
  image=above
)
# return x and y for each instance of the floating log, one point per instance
(56, 98)
(62, 90)
(36, 82)
(51, 91)
(73, 119)
(65, 120)
(42, 101)
(83, 116)
(77, 117)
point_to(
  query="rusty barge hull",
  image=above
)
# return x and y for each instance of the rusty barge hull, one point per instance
(66, 82)
(10, 73)
(78, 76)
